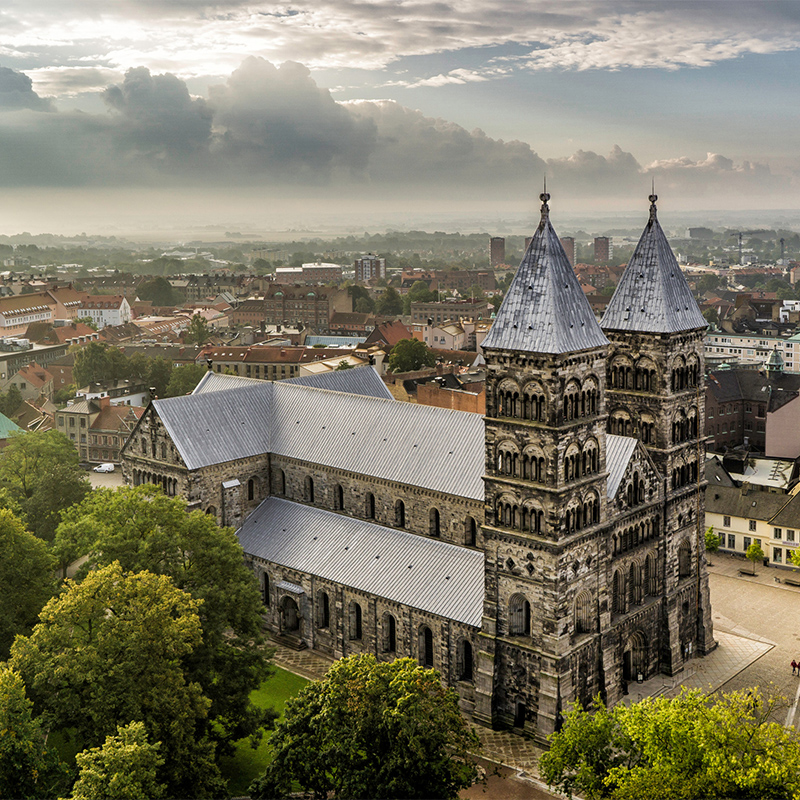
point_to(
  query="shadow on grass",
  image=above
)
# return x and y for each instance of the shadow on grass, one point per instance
(241, 769)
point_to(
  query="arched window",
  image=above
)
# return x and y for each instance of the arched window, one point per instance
(470, 532)
(583, 613)
(355, 620)
(435, 526)
(519, 616)
(265, 589)
(650, 584)
(251, 489)
(426, 646)
(338, 498)
(399, 514)
(464, 660)
(684, 559)
(280, 482)
(617, 598)
(369, 506)
(389, 634)
(635, 584)
(309, 489)
(323, 610)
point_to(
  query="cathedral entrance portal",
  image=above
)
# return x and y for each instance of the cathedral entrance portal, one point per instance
(634, 658)
(290, 616)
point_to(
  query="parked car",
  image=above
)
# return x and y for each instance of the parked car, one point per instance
(108, 467)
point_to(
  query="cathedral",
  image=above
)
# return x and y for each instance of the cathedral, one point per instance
(538, 556)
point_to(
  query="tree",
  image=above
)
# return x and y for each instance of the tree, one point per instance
(159, 291)
(390, 304)
(476, 292)
(711, 315)
(372, 729)
(692, 746)
(359, 293)
(26, 580)
(28, 769)
(10, 401)
(124, 768)
(88, 322)
(41, 474)
(183, 379)
(755, 554)
(198, 331)
(159, 373)
(142, 529)
(98, 363)
(420, 293)
(363, 306)
(409, 355)
(712, 540)
(111, 649)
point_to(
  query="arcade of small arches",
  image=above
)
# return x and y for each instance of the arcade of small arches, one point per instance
(580, 400)
(167, 484)
(509, 514)
(684, 474)
(684, 426)
(531, 465)
(581, 460)
(640, 376)
(620, 423)
(631, 587)
(634, 535)
(685, 374)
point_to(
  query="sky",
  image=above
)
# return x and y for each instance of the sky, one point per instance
(126, 113)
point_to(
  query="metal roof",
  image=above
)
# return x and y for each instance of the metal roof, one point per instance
(214, 427)
(427, 574)
(358, 380)
(545, 309)
(433, 448)
(653, 295)
(218, 381)
(619, 451)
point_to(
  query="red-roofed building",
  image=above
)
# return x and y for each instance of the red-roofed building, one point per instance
(105, 309)
(33, 381)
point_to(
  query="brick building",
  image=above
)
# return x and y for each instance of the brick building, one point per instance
(309, 306)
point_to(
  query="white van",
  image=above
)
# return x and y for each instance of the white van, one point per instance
(107, 467)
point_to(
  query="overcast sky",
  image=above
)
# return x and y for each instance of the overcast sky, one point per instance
(113, 108)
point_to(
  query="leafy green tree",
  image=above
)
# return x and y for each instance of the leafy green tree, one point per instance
(61, 397)
(159, 373)
(693, 746)
(28, 769)
(363, 306)
(98, 363)
(712, 540)
(41, 474)
(343, 365)
(26, 580)
(755, 554)
(10, 401)
(88, 321)
(183, 380)
(111, 649)
(372, 729)
(198, 331)
(711, 315)
(124, 768)
(159, 290)
(390, 304)
(144, 530)
(409, 355)
(362, 300)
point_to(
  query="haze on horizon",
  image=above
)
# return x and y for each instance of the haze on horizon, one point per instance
(172, 114)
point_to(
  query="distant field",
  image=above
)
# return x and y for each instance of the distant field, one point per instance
(247, 764)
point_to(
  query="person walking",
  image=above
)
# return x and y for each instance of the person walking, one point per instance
(794, 667)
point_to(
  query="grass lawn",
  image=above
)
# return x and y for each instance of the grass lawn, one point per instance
(247, 764)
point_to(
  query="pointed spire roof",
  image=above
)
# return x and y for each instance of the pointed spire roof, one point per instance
(545, 309)
(653, 295)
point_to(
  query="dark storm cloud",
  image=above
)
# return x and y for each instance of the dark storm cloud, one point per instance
(273, 128)
(16, 91)
(276, 120)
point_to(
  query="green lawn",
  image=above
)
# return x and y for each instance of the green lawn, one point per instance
(247, 764)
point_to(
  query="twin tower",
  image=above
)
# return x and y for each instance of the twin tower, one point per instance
(595, 569)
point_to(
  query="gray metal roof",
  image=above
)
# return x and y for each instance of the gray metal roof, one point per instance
(423, 573)
(433, 448)
(214, 427)
(653, 295)
(359, 380)
(545, 309)
(619, 451)
(218, 382)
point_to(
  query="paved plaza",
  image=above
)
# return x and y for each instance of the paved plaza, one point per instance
(757, 628)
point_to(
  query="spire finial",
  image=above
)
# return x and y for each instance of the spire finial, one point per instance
(653, 197)
(544, 197)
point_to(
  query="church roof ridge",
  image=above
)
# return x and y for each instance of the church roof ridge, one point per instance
(545, 310)
(653, 295)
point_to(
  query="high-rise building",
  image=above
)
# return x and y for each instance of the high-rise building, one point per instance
(370, 267)
(497, 251)
(603, 249)
(568, 243)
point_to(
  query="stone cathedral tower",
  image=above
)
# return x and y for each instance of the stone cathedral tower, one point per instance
(593, 563)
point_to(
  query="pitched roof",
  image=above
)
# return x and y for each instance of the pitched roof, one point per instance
(545, 310)
(361, 380)
(736, 502)
(427, 574)
(653, 295)
(619, 451)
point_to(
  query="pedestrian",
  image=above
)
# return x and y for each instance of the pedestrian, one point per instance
(794, 667)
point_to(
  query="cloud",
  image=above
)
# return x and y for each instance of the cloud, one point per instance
(71, 81)
(16, 91)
